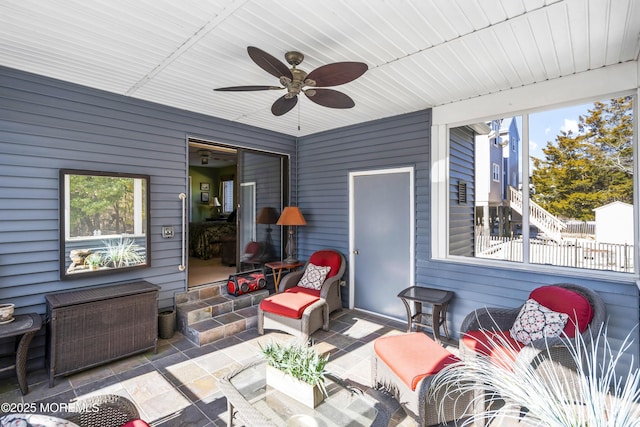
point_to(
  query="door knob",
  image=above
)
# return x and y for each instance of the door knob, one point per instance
(355, 252)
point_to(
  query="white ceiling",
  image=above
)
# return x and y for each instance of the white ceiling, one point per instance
(420, 53)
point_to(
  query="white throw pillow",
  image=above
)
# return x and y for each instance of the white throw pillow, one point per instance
(536, 321)
(314, 276)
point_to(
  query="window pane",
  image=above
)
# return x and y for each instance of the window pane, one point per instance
(227, 196)
(581, 211)
(483, 223)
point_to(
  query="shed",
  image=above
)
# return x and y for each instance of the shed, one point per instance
(614, 223)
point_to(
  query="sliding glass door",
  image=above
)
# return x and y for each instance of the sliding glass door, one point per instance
(262, 191)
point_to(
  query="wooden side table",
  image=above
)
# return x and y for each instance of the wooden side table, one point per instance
(25, 326)
(278, 266)
(439, 301)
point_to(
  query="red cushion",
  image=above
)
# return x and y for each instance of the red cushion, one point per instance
(563, 300)
(252, 249)
(498, 345)
(290, 303)
(135, 423)
(327, 259)
(413, 356)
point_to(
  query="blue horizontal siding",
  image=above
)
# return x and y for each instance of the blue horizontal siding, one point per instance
(47, 125)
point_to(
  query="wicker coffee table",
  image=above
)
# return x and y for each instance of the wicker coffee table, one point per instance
(252, 403)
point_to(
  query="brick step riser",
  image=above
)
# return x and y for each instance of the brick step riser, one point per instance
(209, 314)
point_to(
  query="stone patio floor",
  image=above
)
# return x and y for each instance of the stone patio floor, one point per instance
(178, 386)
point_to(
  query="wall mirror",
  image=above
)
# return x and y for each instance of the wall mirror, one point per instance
(104, 223)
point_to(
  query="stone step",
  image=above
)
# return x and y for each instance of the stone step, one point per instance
(209, 313)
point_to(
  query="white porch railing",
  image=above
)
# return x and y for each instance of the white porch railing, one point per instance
(539, 217)
(580, 253)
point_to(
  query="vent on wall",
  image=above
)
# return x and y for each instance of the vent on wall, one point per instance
(462, 192)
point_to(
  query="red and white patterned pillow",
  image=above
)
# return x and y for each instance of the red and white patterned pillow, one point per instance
(536, 321)
(314, 276)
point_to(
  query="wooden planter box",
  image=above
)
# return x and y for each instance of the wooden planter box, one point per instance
(304, 393)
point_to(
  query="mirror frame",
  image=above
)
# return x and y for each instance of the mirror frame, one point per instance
(64, 274)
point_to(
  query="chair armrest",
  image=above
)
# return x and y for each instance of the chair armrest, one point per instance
(321, 304)
(328, 285)
(490, 318)
(290, 280)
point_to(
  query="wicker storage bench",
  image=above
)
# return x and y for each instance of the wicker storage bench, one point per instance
(90, 327)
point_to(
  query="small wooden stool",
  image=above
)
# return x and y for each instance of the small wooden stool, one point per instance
(404, 365)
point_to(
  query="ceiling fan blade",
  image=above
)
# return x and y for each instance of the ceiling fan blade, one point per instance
(268, 63)
(247, 88)
(283, 105)
(329, 98)
(337, 73)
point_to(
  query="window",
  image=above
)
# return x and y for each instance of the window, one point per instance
(228, 204)
(567, 199)
(496, 172)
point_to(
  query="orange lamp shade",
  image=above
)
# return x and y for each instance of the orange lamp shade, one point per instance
(291, 215)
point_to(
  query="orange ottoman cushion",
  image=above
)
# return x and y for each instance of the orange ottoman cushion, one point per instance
(290, 303)
(413, 356)
(497, 345)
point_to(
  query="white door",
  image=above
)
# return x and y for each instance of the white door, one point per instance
(381, 247)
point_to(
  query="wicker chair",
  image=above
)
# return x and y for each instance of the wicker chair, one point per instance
(108, 410)
(486, 331)
(309, 309)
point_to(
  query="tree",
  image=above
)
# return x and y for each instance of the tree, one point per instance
(591, 168)
(101, 203)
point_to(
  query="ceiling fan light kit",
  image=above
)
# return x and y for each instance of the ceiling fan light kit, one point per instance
(295, 80)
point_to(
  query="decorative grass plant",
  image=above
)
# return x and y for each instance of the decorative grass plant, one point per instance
(123, 252)
(298, 360)
(594, 396)
(94, 260)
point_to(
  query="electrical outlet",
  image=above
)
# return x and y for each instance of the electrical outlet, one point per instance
(167, 231)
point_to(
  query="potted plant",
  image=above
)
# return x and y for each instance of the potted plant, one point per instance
(296, 370)
(122, 253)
(94, 261)
(590, 394)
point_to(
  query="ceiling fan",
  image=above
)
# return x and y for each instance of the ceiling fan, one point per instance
(295, 80)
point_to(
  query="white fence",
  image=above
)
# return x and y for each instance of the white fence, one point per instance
(579, 253)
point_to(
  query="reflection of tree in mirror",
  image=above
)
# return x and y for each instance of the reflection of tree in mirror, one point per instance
(101, 205)
(123, 252)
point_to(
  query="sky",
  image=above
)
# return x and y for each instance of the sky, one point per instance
(546, 125)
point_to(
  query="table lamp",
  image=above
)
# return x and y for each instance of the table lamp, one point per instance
(291, 217)
(215, 203)
(268, 216)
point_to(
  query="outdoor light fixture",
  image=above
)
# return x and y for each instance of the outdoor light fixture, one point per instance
(291, 217)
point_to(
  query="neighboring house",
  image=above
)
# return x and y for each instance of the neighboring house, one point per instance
(510, 142)
(614, 223)
(497, 169)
